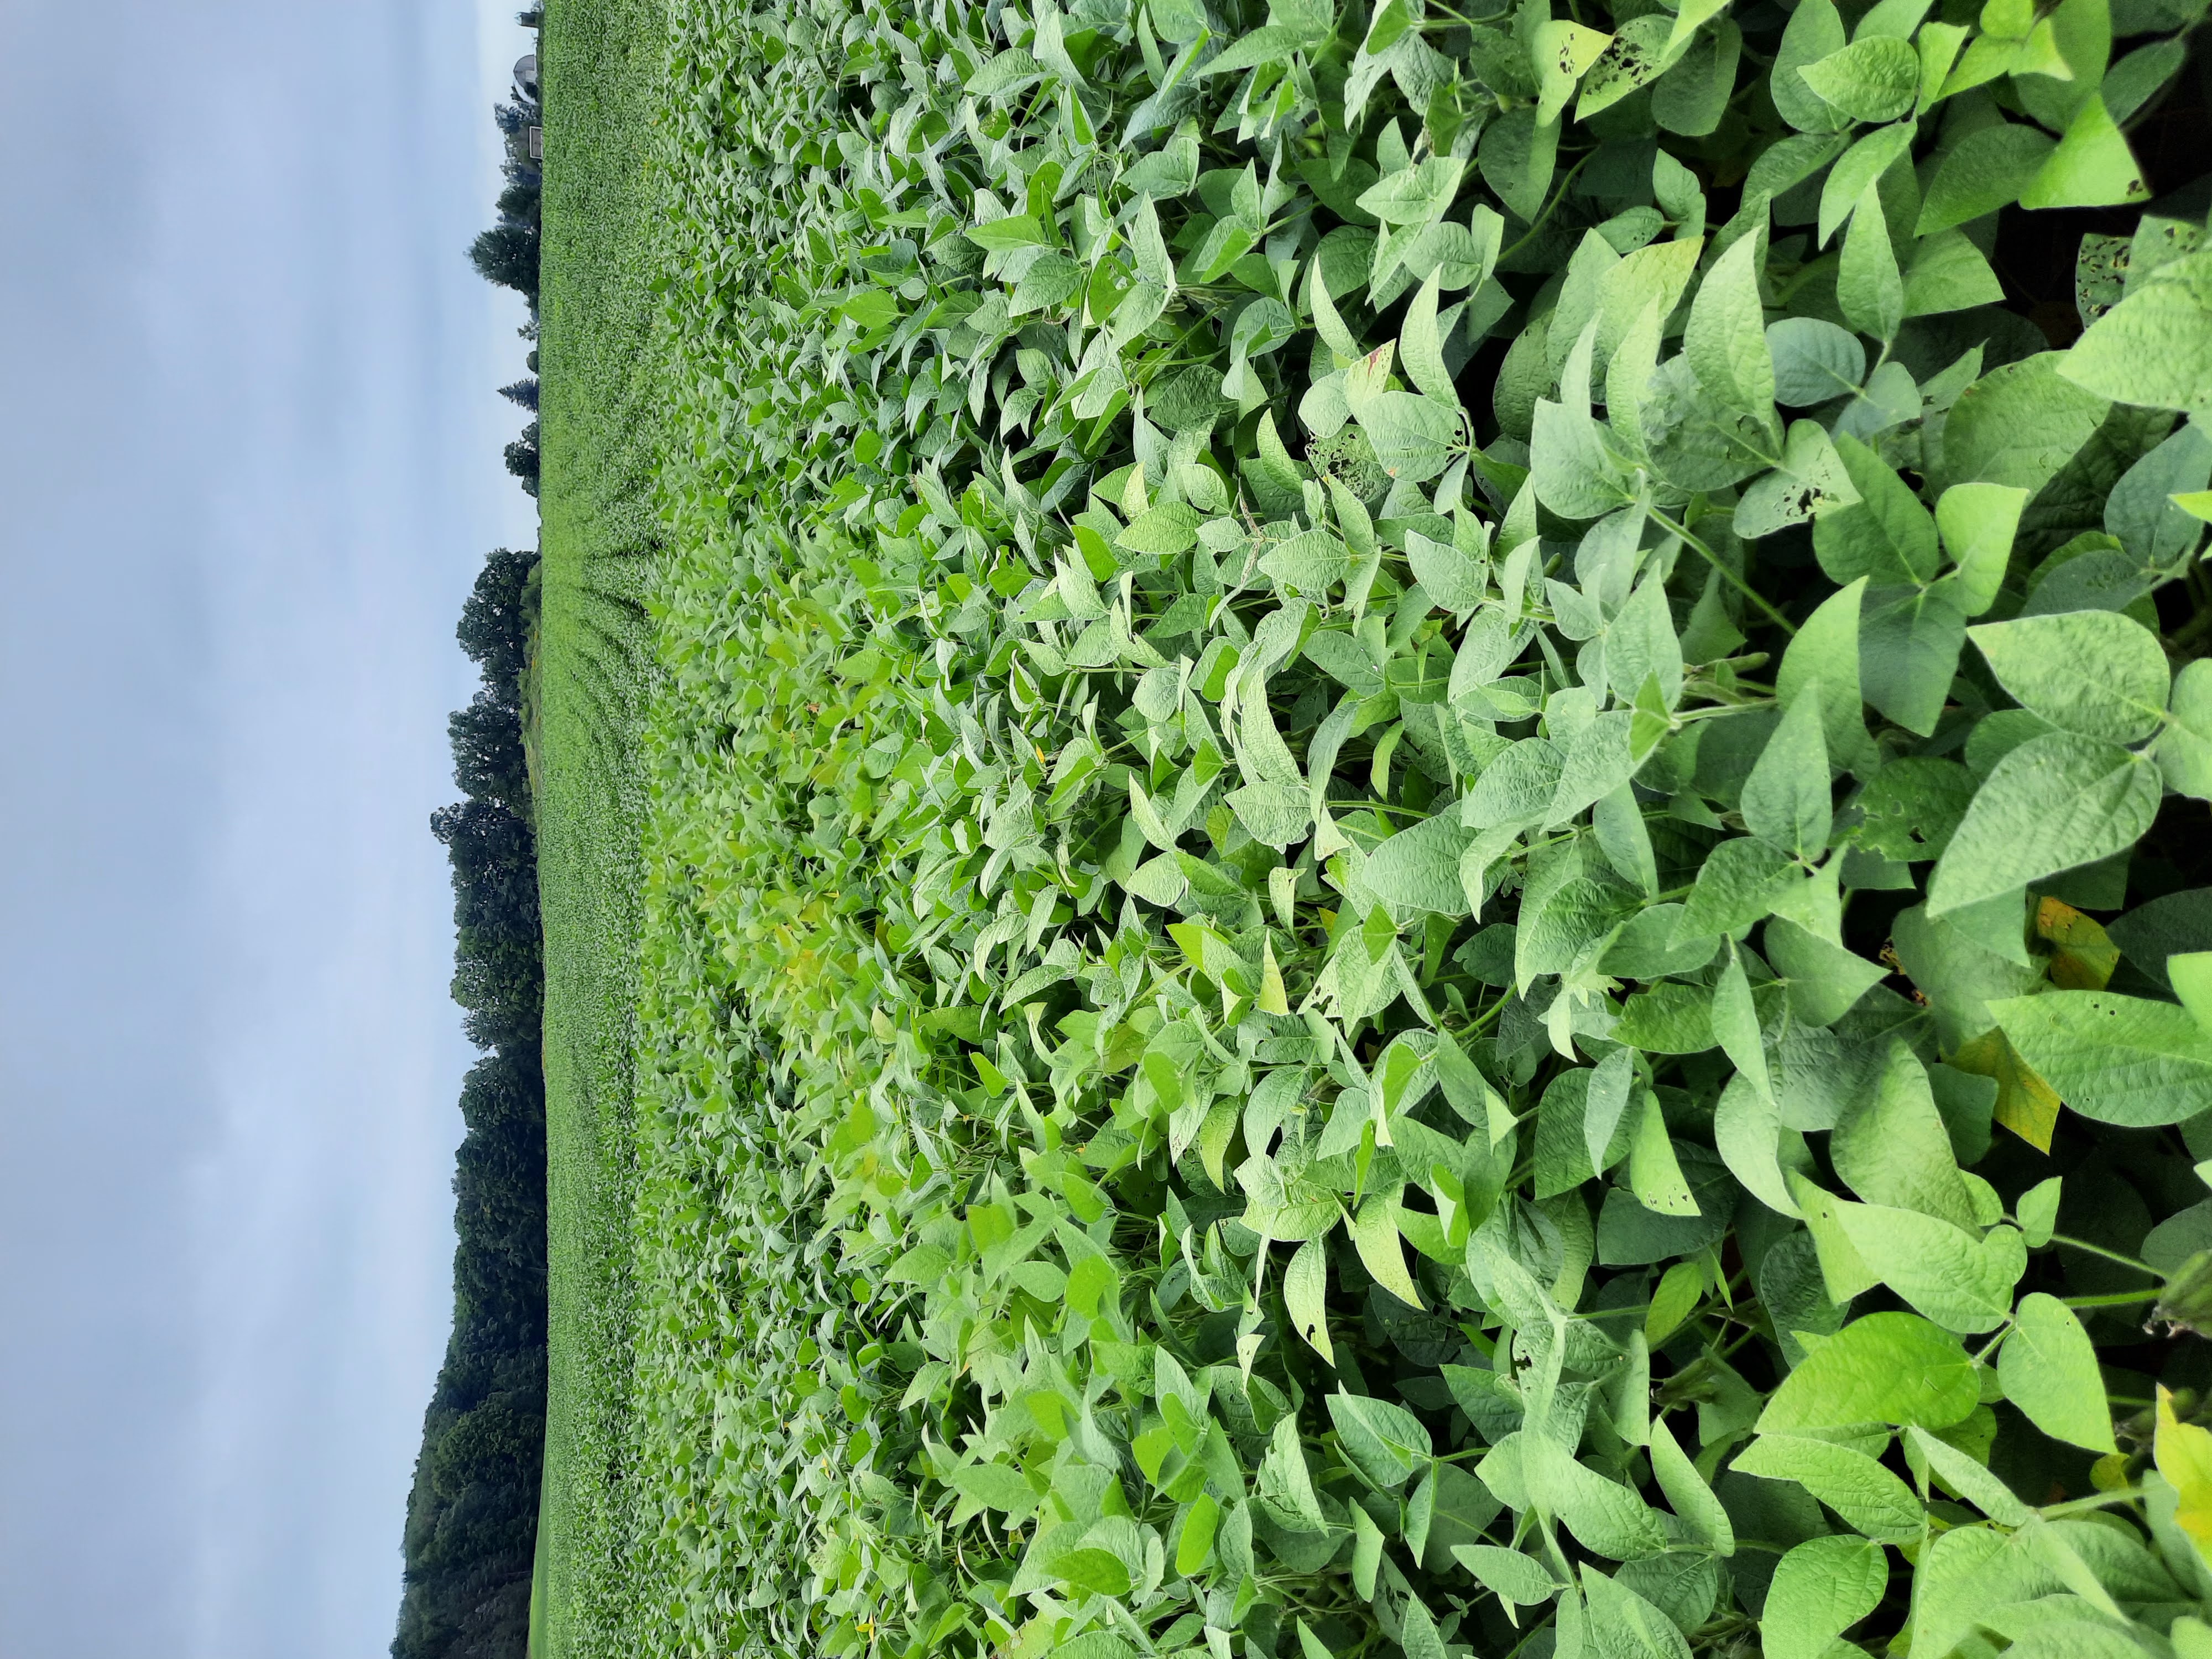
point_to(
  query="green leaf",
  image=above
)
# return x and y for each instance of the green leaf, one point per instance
(1305, 1297)
(1867, 1496)
(1735, 1025)
(1625, 1625)
(2156, 346)
(994, 1485)
(1652, 278)
(1949, 273)
(1676, 1297)
(1654, 1173)
(1691, 98)
(1413, 436)
(1786, 800)
(1418, 868)
(1868, 286)
(1273, 814)
(1669, 1018)
(1814, 361)
(1986, 170)
(2055, 802)
(1419, 351)
(1885, 1368)
(1573, 475)
(2116, 1058)
(2183, 750)
(1970, 1479)
(1169, 529)
(1019, 230)
(1516, 157)
(1688, 1491)
(1418, 1629)
(1640, 643)
(2037, 1210)
(1822, 980)
(2020, 423)
(1824, 655)
(1198, 1529)
(1507, 1574)
(1606, 1518)
(2049, 1370)
(1597, 761)
(1820, 1588)
(2145, 511)
(2092, 167)
(1978, 522)
(1870, 79)
(1454, 580)
(1862, 164)
(1887, 537)
(1893, 1149)
(1285, 1485)
(1384, 1442)
(1962, 1284)
(1909, 644)
(1815, 32)
(1374, 1234)
(1726, 339)
(1737, 885)
(1749, 1135)
(2093, 671)
(1517, 787)
(1416, 194)
(1310, 562)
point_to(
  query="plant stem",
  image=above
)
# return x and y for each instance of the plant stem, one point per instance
(2117, 1299)
(2102, 1500)
(1721, 565)
(1543, 218)
(2109, 1255)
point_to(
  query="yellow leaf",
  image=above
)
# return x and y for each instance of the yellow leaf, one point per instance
(2084, 955)
(2027, 1105)
(2183, 1452)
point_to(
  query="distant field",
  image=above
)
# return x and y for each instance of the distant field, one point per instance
(601, 403)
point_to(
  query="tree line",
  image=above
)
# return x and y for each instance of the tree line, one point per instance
(471, 1526)
(472, 1515)
(506, 253)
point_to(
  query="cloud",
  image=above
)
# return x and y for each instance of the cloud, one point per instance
(248, 459)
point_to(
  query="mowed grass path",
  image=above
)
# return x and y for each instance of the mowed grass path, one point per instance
(602, 71)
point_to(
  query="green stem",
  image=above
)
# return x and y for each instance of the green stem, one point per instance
(2119, 1299)
(2109, 1255)
(1544, 218)
(2102, 1500)
(1990, 1346)
(1726, 571)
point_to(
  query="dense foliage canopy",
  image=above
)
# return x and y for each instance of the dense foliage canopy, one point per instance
(1460, 794)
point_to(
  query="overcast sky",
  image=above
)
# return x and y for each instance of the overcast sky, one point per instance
(249, 462)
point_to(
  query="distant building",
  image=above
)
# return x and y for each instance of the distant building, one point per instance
(537, 143)
(525, 75)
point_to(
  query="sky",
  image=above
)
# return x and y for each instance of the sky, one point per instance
(249, 464)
